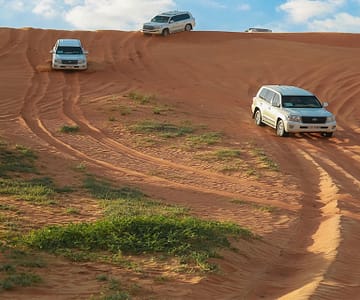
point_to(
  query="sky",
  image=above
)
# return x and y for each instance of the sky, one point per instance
(210, 15)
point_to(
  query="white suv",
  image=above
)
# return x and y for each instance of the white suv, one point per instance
(169, 22)
(68, 54)
(291, 109)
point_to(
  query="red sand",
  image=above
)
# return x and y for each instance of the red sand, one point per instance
(310, 243)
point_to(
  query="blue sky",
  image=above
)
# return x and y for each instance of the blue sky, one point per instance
(213, 15)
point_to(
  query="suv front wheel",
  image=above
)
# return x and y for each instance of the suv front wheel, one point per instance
(165, 32)
(258, 118)
(280, 128)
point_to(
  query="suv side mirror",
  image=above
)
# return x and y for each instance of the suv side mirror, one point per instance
(171, 21)
(325, 104)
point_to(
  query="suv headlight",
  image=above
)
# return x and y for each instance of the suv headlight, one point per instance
(330, 119)
(294, 118)
(81, 61)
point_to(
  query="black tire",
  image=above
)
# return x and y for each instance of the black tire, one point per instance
(280, 128)
(327, 134)
(165, 32)
(188, 27)
(258, 118)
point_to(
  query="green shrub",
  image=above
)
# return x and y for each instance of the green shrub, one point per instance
(16, 159)
(140, 234)
(69, 128)
(26, 190)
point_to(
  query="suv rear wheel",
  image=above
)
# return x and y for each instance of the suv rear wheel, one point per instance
(188, 27)
(280, 128)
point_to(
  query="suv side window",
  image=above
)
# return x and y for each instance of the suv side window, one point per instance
(184, 17)
(263, 93)
(276, 100)
(267, 95)
(176, 18)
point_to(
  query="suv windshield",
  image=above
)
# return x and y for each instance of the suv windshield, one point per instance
(69, 50)
(160, 19)
(301, 102)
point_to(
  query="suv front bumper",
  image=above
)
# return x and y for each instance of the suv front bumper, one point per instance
(152, 31)
(59, 66)
(303, 127)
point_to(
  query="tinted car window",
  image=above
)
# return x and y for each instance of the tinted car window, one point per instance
(176, 18)
(160, 19)
(68, 50)
(184, 17)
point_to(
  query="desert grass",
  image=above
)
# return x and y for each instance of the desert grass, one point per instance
(163, 129)
(140, 97)
(69, 128)
(18, 268)
(135, 224)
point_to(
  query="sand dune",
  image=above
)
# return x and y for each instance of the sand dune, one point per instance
(309, 245)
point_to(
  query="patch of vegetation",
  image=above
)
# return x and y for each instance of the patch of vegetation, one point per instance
(81, 167)
(69, 128)
(257, 206)
(137, 225)
(265, 159)
(15, 269)
(209, 138)
(27, 190)
(158, 110)
(164, 129)
(140, 98)
(127, 201)
(72, 211)
(222, 155)
(8, 207)
(23, 279)
(16, 159)
(124, 110)
(139, 234)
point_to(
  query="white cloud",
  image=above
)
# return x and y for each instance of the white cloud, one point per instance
(45, 8)
(243, 7)
(116, 14)
(17, 5)
(72, 2)
(213, 4)
(342, 22)
(300, 11)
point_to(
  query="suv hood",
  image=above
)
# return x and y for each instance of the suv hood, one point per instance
(311, 112)
(155, 24)
(70, 56)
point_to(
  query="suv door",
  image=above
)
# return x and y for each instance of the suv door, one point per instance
(183, 21)
(273, 110)
(267, 96)
(176, 23)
